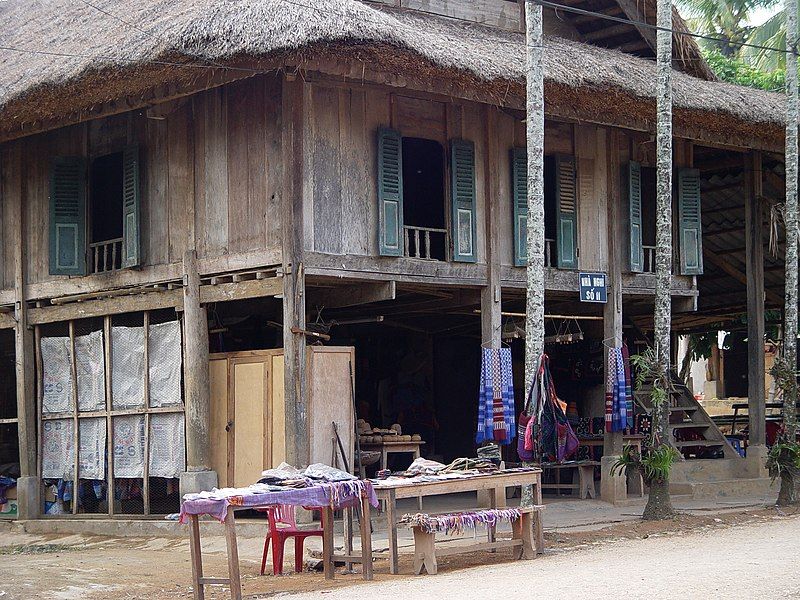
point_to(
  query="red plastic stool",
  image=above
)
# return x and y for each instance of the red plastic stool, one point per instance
(282, 525)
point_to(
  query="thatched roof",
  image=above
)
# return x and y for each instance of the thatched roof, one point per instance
(118, 59)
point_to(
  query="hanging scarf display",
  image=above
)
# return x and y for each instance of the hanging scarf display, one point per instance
(458, 522)
(619, 394)
(548, 434)
(496, 397)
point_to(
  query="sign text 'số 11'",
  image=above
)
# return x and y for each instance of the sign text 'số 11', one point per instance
(593, 287)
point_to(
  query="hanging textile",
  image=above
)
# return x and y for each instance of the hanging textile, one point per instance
(496, 397)
(619, 391)
(548, 435)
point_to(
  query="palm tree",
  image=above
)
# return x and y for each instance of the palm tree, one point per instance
(729, 20)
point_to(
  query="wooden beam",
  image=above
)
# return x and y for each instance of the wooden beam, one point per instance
(754, 259)
(152, 300)
(607, 32)
(293, 113)
(631, 10)
(491, 293)
(354, 295)
(716, 259)
(196, 375)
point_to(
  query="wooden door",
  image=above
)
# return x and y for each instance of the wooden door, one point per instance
(244, 435)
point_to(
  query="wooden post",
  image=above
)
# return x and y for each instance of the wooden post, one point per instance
(294, 312)
(196, 379)
(28, 485)
(491, 318)
(612, 487)
(754, 243)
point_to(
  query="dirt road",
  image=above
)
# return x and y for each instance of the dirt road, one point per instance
(713, 556)
(747, 561)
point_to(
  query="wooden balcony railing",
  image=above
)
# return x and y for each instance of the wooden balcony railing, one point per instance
(106, 256)
(548, 252)
(419, 240)
(649, 259)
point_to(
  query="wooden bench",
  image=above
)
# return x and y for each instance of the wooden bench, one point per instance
(522, 540)
(585, 477)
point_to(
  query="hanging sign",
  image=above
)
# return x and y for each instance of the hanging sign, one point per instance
(593, 287)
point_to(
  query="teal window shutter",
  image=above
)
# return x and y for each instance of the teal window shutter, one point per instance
(390, 193)
(635, 250)
(462, 158)
(131, 207)
(519, 192)
(689, 222)
(567, 222)
(68, 216)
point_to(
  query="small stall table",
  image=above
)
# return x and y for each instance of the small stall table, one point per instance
(496, 483)
(635, 480)
(386, 448)
(327, 497)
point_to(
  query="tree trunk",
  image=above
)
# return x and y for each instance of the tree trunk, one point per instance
(658, 502)
(788, 492)
(790, 310)
(534, 305)
(659, 505)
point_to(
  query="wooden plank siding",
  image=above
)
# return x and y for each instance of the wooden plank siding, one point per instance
(209, 164)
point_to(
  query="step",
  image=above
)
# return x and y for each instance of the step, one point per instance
(697, 443)
(684, 408)
(689, 425)
(733, 488)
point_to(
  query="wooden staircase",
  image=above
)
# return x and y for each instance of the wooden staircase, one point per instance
(694, 434)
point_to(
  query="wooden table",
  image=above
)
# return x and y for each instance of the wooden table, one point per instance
(199, 581)
(387, 448)
(584, 474)
(494, 483)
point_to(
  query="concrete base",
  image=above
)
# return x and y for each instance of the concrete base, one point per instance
(28, 498)
(192, 482)
(756, 461)
(613, 488)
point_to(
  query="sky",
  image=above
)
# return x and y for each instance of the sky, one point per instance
(762, 14)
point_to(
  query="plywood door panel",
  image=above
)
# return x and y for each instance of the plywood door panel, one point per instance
(278, 411)
(358, 203)
(155, 216)
(330, 401)
(249, 431)
(218, 378)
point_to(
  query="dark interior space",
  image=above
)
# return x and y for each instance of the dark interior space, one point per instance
(105, 197)
(9, 441)
(550, 210)
(254, 324)
(423, 196)
(648, 206)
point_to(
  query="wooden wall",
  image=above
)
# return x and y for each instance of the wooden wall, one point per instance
(210, 164)
(341, 209)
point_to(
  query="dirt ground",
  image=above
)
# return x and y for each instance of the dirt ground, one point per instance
(63, 567)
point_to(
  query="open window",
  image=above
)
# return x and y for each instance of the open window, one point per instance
(94, 213)
(640, 186)
(424, 225)
(412, 198)
(560, 210)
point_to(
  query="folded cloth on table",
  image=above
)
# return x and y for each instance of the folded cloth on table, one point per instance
(327, 473)
(282, 471)
(423, 466)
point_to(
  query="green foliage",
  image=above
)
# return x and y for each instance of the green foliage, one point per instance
(783, 460)
(737, 70)
(785, 377)
(654, 465)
